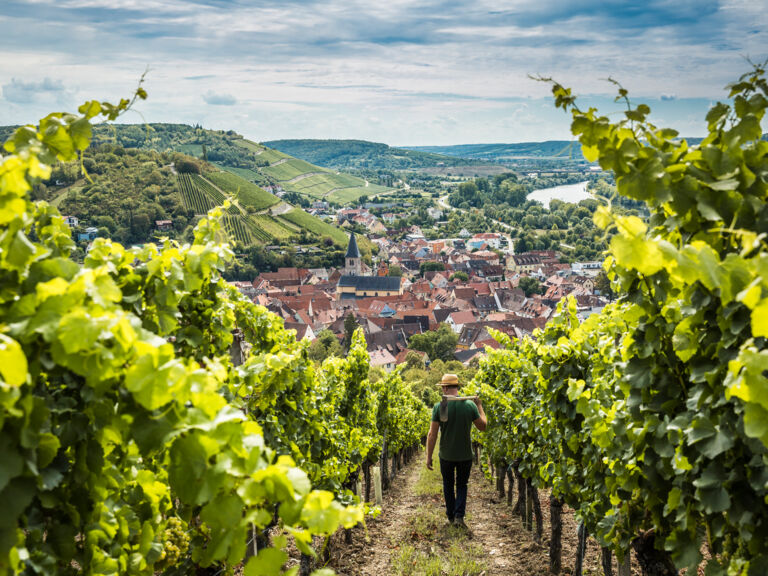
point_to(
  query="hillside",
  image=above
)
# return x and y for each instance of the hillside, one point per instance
(134, 196)
(500, 152)
(362, 155)
(254, 162)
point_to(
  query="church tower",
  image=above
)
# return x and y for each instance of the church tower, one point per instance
(352, 261)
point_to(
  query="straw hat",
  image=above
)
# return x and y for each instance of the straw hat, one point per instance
(449, 380)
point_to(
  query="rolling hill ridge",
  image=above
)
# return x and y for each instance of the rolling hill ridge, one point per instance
(254, 162)
(560, 149)
(362, 155)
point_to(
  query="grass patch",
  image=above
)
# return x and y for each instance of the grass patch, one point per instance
(290, 169)
(346, 195)
(316, 226)
(424, 524)
(461, 558)
(465, 559)
(430, 482)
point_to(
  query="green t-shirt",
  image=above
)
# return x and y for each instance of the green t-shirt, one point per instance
(455, 437)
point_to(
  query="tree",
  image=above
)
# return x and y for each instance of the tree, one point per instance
(395, 271)
(431, 267)
(603, 285)
(438, 344)
(530, 286)
(350, 325)
(463, 276)
(414, 360)
(324, 346)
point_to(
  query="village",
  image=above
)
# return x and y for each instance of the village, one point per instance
(474, 284)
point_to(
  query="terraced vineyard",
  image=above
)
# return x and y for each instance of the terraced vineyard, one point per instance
(319, 185)
(214, 193)
(315, 225)
(238, 230)
(201, 193)
(193, 198)
(272, 227)
(291, 168)
(263, 152)
(247, 193)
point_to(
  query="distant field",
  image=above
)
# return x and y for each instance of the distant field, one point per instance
(248, 194)
(316, 226)
(351, 194)
(466, 171)
(320, 184)
(290, 169)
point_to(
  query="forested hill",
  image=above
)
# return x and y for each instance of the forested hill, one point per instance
(361, 154)
(560, 149)
(257, 163)
(498, 152)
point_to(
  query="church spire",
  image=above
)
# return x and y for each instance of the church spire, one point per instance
(352, 261)
(352, 249)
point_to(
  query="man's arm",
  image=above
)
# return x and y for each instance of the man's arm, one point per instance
(431, 441)
(480, 423)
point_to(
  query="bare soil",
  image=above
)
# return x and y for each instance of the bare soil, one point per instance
(507, 548)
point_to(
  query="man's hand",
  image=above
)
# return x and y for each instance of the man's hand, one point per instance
(429, 463)
(477, 401)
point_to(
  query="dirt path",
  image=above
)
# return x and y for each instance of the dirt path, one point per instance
(411, 537)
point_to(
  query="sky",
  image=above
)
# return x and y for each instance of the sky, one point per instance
(403, 72)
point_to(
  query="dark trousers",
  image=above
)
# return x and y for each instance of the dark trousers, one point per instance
(455, 479)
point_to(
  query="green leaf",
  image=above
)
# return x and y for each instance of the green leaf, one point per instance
(13, 362)
(760, 319)
(714, 499)
(47, 448)
(13, 463)
(591, 153)
(756, 422)
(224, 511)
(21, 251)
(319, 514)
(268, 562)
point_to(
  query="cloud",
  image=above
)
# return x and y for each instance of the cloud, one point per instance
(215, 99)
(20, 92)
(323, 68)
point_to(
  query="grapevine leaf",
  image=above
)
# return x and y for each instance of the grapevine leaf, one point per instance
(13, 362)
(268, 562)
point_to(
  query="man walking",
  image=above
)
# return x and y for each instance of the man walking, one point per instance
(455, 425)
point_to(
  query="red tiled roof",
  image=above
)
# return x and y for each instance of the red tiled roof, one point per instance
(463, 317)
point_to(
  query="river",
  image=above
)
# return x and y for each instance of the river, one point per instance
(573, 193)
